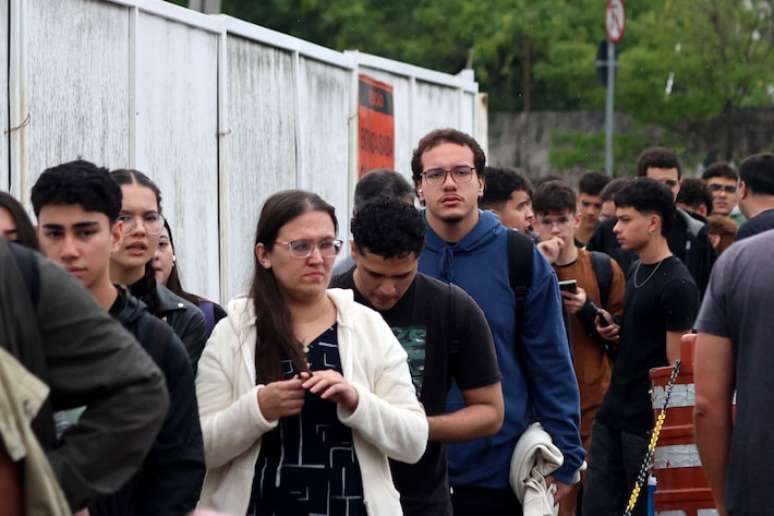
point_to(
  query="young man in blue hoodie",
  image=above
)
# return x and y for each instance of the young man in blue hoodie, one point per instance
(77, 206)
(469, 248)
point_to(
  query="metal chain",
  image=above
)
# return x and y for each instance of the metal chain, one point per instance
(641, 477)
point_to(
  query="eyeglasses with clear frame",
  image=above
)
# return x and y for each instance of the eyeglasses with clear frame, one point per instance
(303, 248)
(459, 174)
(152, 221)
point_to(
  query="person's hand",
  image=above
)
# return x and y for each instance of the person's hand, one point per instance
(550, 248)
(611, 331)
(574, 302)
(330, 385)
(562, 489)
(282, 399)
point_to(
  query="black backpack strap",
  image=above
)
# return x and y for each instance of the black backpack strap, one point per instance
(603, 270)
(28, 265)
(520, 249)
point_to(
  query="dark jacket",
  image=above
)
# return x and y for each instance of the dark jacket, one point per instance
(688, 240)
(171, 477)
(184, 317)
(57, 331)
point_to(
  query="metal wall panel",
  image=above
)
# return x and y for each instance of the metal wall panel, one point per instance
(4, 25)
(435, 107)
(261, 145)
(401, 96)
(468, 107)
(77, 85)
(176, 139)
(325, 100)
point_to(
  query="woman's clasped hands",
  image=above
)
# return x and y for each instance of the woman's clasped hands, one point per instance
(285, 398)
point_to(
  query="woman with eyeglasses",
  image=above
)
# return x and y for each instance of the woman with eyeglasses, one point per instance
(303, 393)
(132, 266)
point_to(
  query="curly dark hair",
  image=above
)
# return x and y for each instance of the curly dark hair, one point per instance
(389, 228)
(78, 182)
(439, 136)
(658, 157)
(554, 197)
(648, 196)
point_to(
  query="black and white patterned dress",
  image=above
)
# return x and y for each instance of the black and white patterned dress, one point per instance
(307, 465)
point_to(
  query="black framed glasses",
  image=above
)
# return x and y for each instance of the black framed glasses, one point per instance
(303, 248)
(715, 187)
(459, 174)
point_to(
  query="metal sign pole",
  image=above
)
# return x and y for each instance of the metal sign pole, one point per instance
(609, 106)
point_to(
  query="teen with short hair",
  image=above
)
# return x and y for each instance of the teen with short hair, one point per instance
(445, 335)
(77, 205)
(131, 264)
(660, 304)
(723, 182)
(472, 249)
(599, 283)
(590, 186)
(509, 195)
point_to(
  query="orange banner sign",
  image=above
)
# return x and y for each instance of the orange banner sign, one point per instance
(376, 125)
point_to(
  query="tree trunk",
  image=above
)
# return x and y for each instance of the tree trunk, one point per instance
(205, 6)
(728, 121)
(526, 75)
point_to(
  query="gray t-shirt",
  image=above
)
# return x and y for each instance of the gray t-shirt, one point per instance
(738, 305)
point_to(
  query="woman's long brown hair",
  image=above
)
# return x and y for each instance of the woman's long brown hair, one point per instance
(275, 340)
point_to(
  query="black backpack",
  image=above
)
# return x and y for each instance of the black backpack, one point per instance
(520, 249)
(603, 270)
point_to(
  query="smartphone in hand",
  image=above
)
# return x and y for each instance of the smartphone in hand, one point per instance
(569, 286)
(602, 321)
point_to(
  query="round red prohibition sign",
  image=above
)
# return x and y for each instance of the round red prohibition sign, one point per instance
(615, 19)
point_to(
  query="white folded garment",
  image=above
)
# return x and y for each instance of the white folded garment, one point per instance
(534, 458)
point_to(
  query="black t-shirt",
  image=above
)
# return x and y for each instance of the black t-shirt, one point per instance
(447, 339)
(660, 297)
(764, 221)
(308, 464)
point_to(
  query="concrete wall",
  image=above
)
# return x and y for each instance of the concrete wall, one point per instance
(524, 140)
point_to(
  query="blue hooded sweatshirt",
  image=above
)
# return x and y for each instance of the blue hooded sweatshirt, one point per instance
(543, 389)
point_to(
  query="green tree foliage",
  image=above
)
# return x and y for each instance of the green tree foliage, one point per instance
(540, 54)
